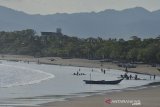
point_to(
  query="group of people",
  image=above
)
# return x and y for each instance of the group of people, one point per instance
(78, 74)
(125, 76)
(130, 77)
(154, 77)
(103, 70)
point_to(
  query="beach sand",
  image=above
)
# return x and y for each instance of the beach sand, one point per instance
(149, 97)
(141, 68)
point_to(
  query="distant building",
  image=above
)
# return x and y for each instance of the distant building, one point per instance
(58, 32)
(47, 33)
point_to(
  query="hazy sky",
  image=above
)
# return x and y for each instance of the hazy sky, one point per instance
(72, 6)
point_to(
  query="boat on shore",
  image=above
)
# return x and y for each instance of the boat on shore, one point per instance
(103, 82)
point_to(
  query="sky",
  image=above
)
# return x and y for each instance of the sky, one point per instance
(74, 6)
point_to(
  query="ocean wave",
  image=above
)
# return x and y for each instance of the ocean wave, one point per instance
(11, 75)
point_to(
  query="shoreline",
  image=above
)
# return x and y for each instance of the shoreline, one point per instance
(96, 100)
(140, 69)
(98, 94)
(112, 92)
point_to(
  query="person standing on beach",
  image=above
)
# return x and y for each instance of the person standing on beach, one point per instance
(92, 69)
(125, 75)
(126, 70)
(154, 77)
(101, 70)
(136, 77)
(150, 77)
(130, 77)
(104, 71)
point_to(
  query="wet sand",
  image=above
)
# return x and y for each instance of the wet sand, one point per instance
(149, 97)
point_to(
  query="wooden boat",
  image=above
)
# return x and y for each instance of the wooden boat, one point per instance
(103, 81)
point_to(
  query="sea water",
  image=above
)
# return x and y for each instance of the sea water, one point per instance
(31, 84)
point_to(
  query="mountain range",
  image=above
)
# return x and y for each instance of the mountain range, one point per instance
(106, 24)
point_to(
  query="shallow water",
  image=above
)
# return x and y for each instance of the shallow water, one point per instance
(31, 84)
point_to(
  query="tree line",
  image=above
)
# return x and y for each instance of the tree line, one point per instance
(27, 42)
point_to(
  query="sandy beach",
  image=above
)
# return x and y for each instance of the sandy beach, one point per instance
(141, 68)
(149, 97)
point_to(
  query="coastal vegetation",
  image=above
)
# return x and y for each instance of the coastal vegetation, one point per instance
(28, 42)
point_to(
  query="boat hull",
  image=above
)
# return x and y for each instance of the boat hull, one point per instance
(102, 82)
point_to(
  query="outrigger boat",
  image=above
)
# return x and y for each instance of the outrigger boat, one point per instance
(103, 82)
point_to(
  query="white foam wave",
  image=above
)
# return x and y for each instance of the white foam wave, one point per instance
(26, 76)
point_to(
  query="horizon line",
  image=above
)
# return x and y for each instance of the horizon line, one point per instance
(80, 12)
